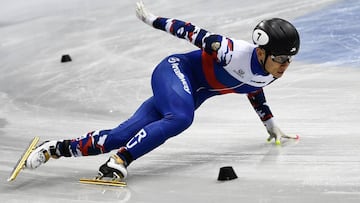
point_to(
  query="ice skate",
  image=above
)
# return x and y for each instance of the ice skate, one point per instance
(111, 173)
(42, 154)
(114, 168)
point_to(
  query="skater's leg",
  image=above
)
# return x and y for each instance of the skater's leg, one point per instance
(96, 142)
(173, 99)
(151, 136)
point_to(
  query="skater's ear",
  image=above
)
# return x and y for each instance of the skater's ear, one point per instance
(260, 52)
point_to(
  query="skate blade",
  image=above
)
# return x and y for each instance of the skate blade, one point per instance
(21, 162)
(96, 181)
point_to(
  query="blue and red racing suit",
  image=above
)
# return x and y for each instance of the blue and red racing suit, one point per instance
(180, 84)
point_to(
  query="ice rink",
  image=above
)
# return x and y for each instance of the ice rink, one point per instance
(113, 56)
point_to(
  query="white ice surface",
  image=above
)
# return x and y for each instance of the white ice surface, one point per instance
(113, 56)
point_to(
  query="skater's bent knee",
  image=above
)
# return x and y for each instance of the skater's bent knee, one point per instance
(180, 121)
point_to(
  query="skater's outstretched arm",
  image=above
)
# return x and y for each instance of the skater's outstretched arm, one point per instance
(258, 101)
(221, 48)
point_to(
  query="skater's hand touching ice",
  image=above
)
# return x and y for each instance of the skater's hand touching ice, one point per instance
(275, 132)
(143, 14)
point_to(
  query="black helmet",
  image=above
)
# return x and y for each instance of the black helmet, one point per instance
(277, 36)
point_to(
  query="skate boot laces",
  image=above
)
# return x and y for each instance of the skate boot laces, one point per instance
(43, 156)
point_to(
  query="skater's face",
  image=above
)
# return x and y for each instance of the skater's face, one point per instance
(274, 65)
